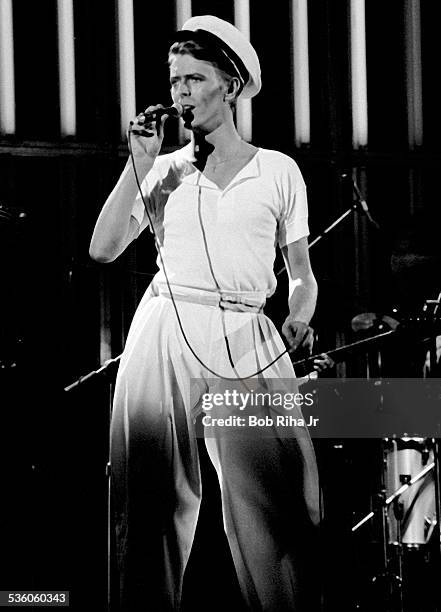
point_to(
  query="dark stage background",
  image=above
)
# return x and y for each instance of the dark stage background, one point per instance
(60, 312)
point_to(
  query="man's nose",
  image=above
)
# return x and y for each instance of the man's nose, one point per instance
(184, 89)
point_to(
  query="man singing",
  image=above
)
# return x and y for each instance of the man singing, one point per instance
(217, 207)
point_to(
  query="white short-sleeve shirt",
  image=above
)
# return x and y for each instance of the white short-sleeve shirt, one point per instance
(230, 233)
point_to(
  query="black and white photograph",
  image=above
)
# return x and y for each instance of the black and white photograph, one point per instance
(220, 319)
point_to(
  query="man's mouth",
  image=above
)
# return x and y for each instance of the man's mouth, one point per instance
(188, 115)
(188, 108)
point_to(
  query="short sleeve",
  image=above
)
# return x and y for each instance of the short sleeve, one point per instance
(149, 188)
(293, 221)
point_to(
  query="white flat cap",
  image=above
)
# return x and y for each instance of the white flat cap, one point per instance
(236, 45)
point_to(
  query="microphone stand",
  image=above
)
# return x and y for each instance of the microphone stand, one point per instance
(354, 207)
(109, 369)
(359, 203)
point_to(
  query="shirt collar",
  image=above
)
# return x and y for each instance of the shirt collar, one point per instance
(250, 170)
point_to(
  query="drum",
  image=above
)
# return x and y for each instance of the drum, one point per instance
(412, 515)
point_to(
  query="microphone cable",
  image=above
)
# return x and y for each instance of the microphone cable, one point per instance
(158, 247)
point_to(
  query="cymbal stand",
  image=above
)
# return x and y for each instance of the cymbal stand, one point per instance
(399, 514)
(391, 581)
(109, 508)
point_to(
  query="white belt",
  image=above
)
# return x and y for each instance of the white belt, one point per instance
(237, 301)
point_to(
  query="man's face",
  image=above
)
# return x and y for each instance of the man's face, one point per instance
(199, 88)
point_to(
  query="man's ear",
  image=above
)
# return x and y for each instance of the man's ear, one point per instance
(232, 90)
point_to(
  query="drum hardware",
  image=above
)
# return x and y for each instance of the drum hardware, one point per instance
(430, 309)
(433, 303)
(395, 494)
(368, 320)
(430, 527)
(371, 322)
(409, 506)
(393, 582)
(390, 582)
(341, 352)
(424, 326)
(403, 458)
(420, 326)
(431, 312)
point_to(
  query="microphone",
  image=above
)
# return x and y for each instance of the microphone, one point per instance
(363, 205)
(360, 201)
(176, 110)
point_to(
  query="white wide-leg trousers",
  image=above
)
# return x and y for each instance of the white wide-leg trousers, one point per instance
(269, 486)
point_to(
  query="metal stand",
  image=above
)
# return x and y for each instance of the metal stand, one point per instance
(359, 204)
(109, 507)
(108, 369)
(397, 493)
(393, 582)
(436, 456)
(434, 306)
